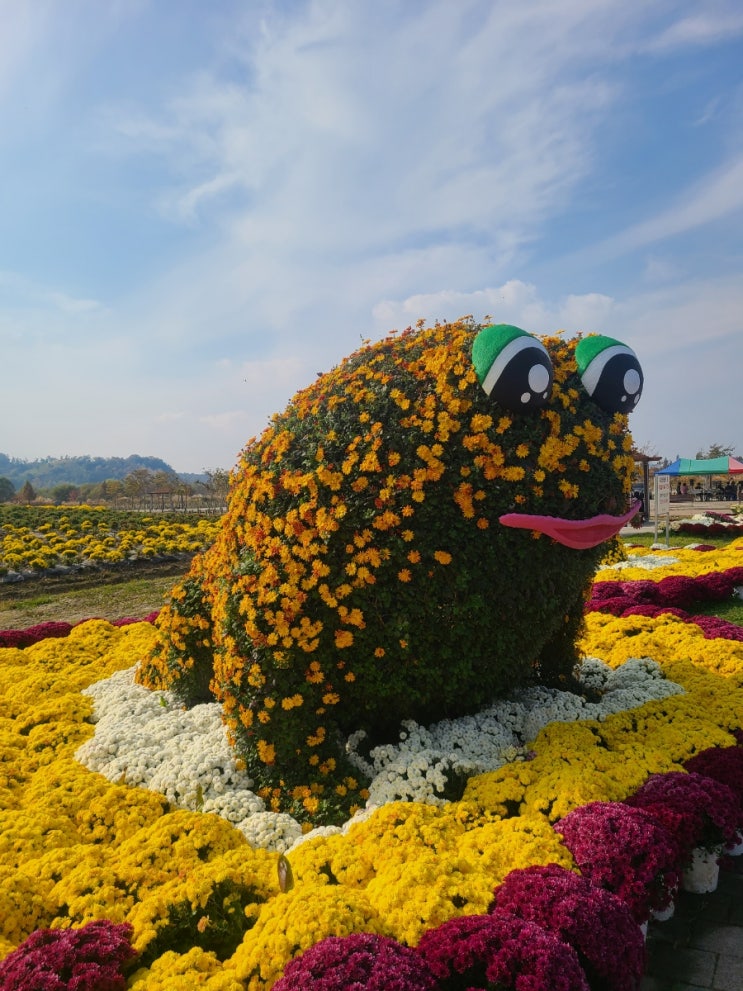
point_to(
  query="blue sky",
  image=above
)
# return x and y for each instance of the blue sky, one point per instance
(202, 205)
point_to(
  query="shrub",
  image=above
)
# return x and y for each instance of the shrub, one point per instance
(362, 575)
(92, 958)
(594, 921)
(501, 951)
(360, 960)
(624, 850)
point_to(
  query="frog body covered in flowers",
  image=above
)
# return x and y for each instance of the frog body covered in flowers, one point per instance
(413, 535)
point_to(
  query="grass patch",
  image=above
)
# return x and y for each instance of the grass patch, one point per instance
(32, 603)
(730, 609)
(135, 599)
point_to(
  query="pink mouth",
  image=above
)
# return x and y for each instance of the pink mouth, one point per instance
(580, 534)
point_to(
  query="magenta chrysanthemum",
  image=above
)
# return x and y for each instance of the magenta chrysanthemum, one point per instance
(360, 960)
(594, 921)
(499, 950)
(91, 958)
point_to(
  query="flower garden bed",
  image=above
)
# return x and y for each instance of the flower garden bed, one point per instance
(225, 908)
(49, 540)
(712, 523)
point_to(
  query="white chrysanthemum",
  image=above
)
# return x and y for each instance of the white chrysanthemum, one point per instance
(148, 739)
(647, 561)
(275, 831)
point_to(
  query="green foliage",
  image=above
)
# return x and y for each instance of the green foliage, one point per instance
(362, 575)
(26, 493)
(186, 654)
(717, 451)
(7, 490)
(47, 472)
(217, 927)
(63, 493)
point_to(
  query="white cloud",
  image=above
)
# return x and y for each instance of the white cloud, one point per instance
(710, 112)
(70, 305)
(718, 194)
(513, 302)
(341, 168)
(719, 22)
(318, 142)
(23, 293)
(659, 269)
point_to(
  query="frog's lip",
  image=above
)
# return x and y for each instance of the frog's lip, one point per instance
(580, 534)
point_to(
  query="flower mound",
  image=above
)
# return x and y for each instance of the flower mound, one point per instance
(361, 960)
(33, 634)
(673, 594)
(362, 576)
(624, 850)
(724, 764)
(500, 951)
(706, 812)
(91, 958)
(595, 922)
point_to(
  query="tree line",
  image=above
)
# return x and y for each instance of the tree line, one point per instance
(141, 489)
(155, 490)
(43, 473)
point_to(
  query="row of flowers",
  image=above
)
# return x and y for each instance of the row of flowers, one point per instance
(208, 908)
(546, 926)
(55, 538)
(712, 523)
(51, 629)
(667, 590)
(672, 594)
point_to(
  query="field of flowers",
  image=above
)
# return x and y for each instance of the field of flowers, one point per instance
(128, 819)
(36, 539)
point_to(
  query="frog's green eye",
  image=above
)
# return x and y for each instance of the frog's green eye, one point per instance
(610, 372)
(512, 367)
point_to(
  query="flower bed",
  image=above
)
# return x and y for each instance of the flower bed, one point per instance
(712, 523)
(210, 908)
(593, 920)
(671, 594)
(48, 630)
(38, 539)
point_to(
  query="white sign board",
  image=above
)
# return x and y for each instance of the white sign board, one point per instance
(662, 495)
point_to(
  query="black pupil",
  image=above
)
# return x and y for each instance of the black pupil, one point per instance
(611, 391)
(513, 390)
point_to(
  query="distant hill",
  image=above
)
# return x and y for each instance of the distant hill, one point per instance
(47, 472)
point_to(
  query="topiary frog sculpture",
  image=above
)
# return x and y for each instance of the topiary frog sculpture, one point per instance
(414, 534)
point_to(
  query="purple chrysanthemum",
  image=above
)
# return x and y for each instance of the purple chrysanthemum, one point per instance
(709, 809)
(625, 850)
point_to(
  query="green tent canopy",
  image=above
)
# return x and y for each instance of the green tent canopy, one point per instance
(703, 466)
